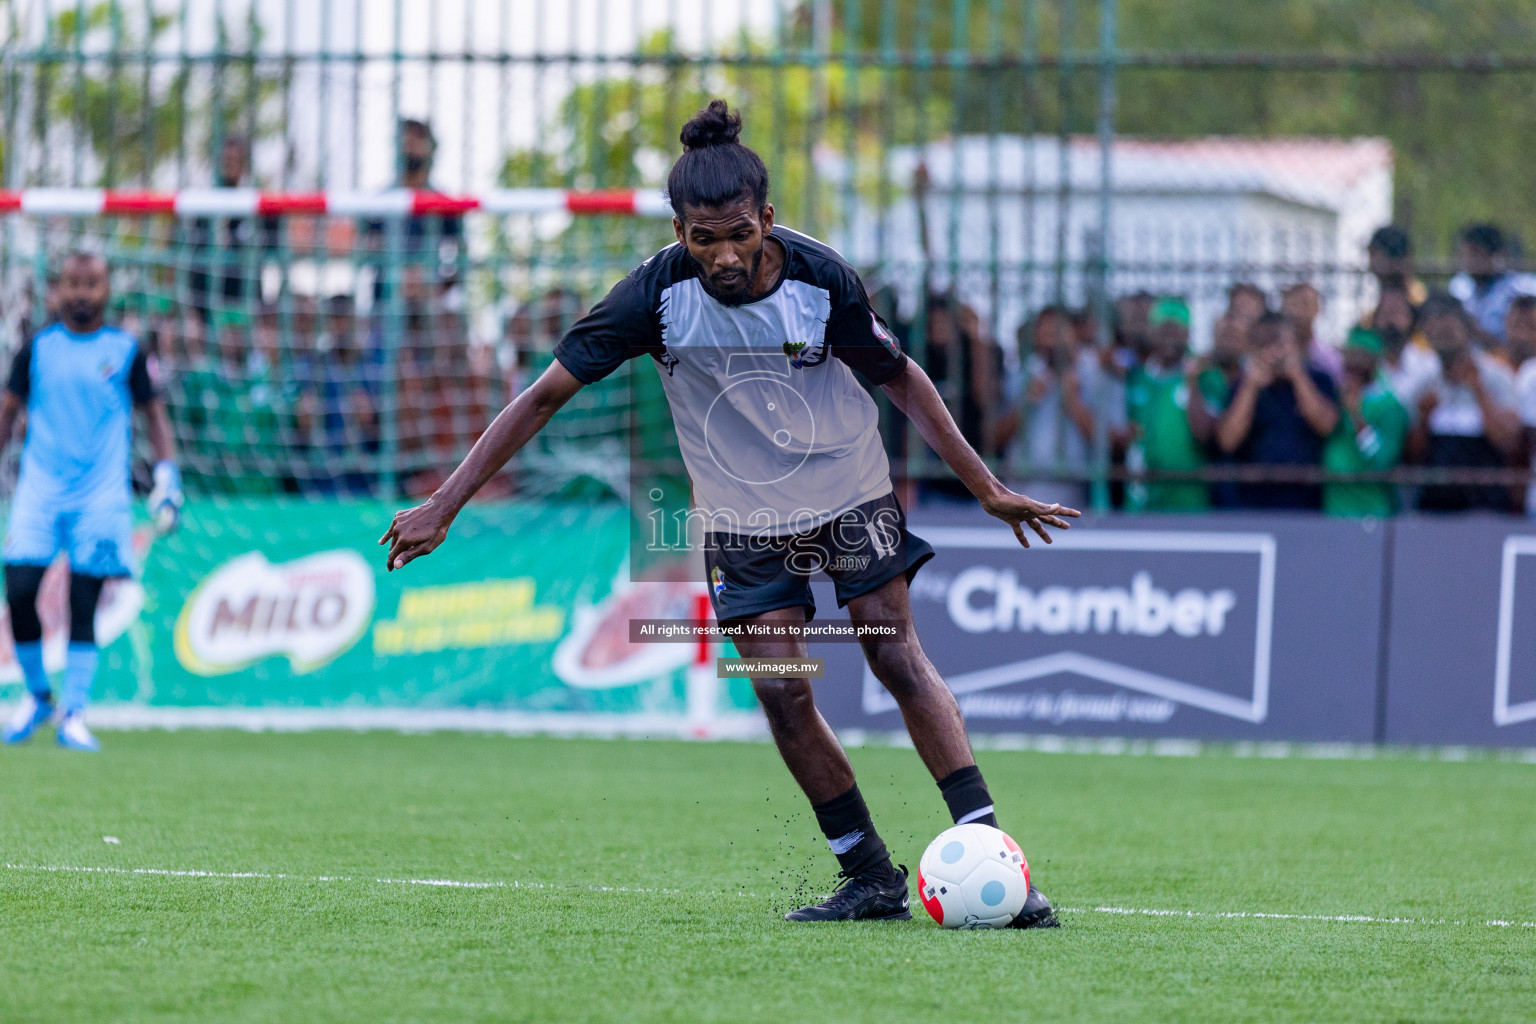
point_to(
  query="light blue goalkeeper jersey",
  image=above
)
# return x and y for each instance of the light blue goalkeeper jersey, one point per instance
(79, 390)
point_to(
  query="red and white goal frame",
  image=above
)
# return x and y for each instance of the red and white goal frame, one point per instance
(400, 202)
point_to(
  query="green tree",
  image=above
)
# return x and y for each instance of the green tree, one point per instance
(1458, 136)
(621, 131)
(94, 83)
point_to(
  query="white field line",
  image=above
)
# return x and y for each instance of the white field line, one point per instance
(450, 883)
(1258, 915)
(446, 883)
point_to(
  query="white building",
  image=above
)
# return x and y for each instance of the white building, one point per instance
(1188, 218)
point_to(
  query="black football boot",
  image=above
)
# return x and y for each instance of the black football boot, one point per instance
(1037, 912)
(879, 894)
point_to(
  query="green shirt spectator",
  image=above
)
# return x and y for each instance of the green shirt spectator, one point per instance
(234, 415)
(1372, 431)
(1157, 405)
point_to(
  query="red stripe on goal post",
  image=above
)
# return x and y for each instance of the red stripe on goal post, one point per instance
(610, 201)
(701, 616)
(138, 204)
(427, 203)
(219, 202)
(305, 203)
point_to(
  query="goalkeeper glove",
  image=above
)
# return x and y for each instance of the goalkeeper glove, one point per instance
(166, 498)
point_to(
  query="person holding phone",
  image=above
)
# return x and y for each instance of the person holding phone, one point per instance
(1465, 414)
(1280, 415)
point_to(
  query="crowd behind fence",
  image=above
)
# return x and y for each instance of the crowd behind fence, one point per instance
(1108, 325)
(376, 376)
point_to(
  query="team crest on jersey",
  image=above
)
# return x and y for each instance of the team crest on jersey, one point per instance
(806, 353)
(717, 580)
(106, 369)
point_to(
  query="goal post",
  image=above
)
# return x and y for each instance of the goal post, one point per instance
(355, 343)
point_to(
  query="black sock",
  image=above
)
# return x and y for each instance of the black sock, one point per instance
(966, 794)
(850, 833)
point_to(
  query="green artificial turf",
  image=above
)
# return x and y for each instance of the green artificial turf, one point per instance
(581, 826)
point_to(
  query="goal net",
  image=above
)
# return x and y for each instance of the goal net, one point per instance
(356, 348)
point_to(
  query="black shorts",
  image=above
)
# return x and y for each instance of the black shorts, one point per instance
(861, 550)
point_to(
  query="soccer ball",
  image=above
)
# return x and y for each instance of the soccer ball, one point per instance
(973, 876)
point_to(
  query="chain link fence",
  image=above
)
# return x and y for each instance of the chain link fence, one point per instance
(1020, 183)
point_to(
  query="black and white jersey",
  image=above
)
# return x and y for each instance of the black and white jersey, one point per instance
(777, 433)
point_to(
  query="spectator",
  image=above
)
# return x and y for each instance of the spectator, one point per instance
(338, 417)
(1372, 430)
(1062, 400)
(1279, 415)
(1301, 305)
(233, 416)
(1486, 286)
(1389, 255)
(1132, 332)
(442, 406)
(225, 251)
(1246, 302)
(1216, 377)
(266, 355)
(1465, 414)
(1520, 331)
(431, 245)
(1406, 357)
(965, 367)
(1520, 338)
(1158, 395)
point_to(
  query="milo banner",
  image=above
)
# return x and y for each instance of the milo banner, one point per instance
(286, 607)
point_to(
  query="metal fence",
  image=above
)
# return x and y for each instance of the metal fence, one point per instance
(978, 160)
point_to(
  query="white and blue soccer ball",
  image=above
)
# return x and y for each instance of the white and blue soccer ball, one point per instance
(973, 876)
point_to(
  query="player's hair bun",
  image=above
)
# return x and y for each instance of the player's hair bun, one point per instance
(715, 167)
(715, 125)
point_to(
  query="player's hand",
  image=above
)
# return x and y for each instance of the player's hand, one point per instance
(1017, 510)
(415, 532)
(166, 499)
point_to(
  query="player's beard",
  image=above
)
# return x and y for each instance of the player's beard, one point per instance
(731, 296)
(77, 315)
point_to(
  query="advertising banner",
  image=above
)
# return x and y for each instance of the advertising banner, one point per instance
(1461, 665)
(1233, 628)
(286, 605)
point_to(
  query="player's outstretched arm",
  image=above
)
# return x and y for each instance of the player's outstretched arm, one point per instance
(914, 394)
(418, 531)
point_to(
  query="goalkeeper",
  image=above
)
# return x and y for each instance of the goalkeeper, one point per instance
(78, 380)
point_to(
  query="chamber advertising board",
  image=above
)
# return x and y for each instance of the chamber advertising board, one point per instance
(1234, 628)
(1461, 664)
